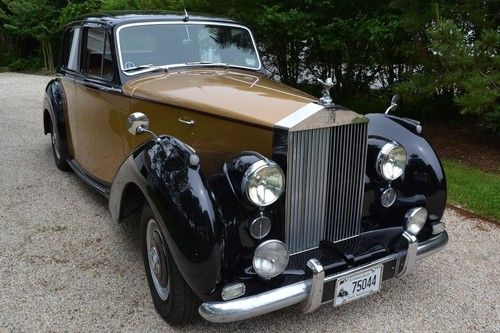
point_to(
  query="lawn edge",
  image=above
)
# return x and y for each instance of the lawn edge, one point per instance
(473, 215)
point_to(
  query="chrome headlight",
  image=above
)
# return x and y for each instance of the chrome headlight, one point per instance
(263, 183)
(270, 258)
(391, 161)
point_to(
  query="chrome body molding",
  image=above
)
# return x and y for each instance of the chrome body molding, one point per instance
(309, 292)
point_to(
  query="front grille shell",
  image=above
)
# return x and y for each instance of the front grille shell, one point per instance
(325, 178)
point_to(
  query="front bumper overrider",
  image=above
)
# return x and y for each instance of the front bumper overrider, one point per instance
(310, 293)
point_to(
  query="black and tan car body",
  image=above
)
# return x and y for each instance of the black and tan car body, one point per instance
(230, 118)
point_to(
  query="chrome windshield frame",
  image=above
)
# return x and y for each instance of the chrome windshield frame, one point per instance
(119, 51)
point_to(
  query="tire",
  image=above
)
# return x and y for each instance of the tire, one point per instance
(172, 297)
(57, 149)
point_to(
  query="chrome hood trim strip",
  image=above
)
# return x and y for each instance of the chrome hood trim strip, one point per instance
(298, 116)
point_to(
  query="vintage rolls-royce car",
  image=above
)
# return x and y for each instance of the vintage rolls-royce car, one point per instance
(250, 196)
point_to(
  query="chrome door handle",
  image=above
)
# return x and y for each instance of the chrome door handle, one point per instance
(186, 122)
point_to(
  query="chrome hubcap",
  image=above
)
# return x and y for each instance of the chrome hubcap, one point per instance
(157, 259)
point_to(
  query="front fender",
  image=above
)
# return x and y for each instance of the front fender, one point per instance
(423, 181)
(178, 193)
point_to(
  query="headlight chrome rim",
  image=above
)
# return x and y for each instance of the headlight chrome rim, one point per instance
(263, 247)
(252, 170)
(383, 157)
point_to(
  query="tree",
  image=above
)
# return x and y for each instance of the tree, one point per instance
(458, 60)
(468, 64)
(76, 8)
(37, 19)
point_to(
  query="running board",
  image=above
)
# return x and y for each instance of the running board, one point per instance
(96, 184)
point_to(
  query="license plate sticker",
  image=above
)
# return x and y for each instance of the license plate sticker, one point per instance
(358, 285)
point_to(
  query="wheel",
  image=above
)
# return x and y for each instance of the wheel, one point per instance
(172, 297)
(57, 150)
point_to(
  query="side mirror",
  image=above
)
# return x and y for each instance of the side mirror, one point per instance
(394, 104)
(137, 123)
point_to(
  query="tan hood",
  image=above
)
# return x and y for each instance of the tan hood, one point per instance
(249, 97)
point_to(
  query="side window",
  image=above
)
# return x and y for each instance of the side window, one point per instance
(71, 49)
(97, 59)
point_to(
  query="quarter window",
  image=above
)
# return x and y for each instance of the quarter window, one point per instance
(71, 49)
(97, 59)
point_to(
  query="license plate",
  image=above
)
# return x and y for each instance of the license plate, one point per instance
(357, 285)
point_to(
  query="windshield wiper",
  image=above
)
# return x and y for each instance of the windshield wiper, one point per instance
(211, 63)
(148, 66)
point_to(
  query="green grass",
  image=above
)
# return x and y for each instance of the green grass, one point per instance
(472, 189)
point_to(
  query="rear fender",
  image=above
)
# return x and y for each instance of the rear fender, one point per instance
(54, 103)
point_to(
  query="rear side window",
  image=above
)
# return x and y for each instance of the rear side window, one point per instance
(97, 59)
(71, 49)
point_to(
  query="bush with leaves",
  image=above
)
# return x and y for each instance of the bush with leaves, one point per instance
(463, 67)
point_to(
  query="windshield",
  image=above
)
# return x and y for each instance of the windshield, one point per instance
(147, 46)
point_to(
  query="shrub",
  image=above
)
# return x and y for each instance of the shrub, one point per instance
(26, 64)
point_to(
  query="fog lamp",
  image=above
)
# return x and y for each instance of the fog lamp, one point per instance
(415, 220)
(233, 290)
(270, 258)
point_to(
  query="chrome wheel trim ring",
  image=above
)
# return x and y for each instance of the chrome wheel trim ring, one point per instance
(157, 259)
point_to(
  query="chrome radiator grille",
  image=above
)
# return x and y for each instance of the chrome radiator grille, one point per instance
(325, 184)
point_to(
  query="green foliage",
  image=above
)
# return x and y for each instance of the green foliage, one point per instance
(473, 189)
(493, 119)
(165, 5)
(77, 8)
(37, 19)
(468, 65)
(288, 33)
(25, 64)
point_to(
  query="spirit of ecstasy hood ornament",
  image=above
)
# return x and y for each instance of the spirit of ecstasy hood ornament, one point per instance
(326, 100)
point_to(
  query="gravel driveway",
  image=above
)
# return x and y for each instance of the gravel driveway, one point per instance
(64, 266)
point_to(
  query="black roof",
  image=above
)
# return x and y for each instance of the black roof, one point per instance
(122, 17)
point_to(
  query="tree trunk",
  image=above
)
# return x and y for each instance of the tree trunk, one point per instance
(48, 58)
(44, 55)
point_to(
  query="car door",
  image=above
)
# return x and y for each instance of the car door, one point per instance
(101, 108)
